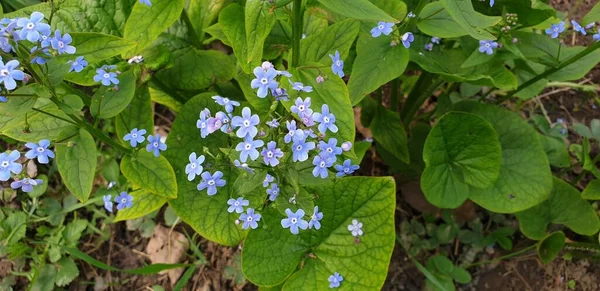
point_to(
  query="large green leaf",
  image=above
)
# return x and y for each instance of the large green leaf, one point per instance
(95, 47)
(146, 23)
(550, 246)
(593, 15)
(138, 114)
(258, 22)
(556, 150)
(338, 37)
(578, 69)
(202, 13)
(143, 203)
(271, 254)
(461, 150)
(388, 131)
(592, 190)
(37, 125)
(376, 63)
(107, 102)
(76, 162)
(472, 21)
(150, 173)
(434, 20)
(564, 206)
(525, 179)
(358, 9)
(18, 105)
(395, 8)
(231, 22)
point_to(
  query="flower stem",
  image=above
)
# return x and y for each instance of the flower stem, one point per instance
(296, 32)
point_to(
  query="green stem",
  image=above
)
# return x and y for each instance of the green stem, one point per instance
(422, 90)
(395, 94)
(514, 254)
(296, 32)
(196, 40)
(550, 71)
(410, 24)
(55, 116)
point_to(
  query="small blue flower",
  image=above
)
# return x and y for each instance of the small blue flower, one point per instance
(135, 136)
(8, 164)
(487, 46)
(310, 133)
(597, 36)
(271, 154)
(42, 56)
(39, 151)
(382, 27)
(346, 168)
(284, 73)
(194, 168)
(429, 47)
(250, 219)
(3, 99)
(273, 192)
(249, 148)
(202, 123)
(300, 150)
(355, 228)
(330, 148)
(220, 121)
(237, 205)
(124, 200)
(105, 77)
(108, 204)
(300, 87)
(9, 73)
(26, 184)
(590, 25)
(325, 119)
(243, 166)
(315, 219)
(273, 123)
(226, 102)
(247, 124)
(556, 29)
(491, 3)
(293, 134)
(211, 182)
(146, 2)
(435, 40)
(346, 146)
(407, 38)
(577, 27)
(155, 145)
(302, 107)
(268, 179)
(61, 43)
(294, 221)
(411, 15)
(31, 28)
(338, 65)
(264, 81)
(280, 94)
(321, 165)
(335, 280)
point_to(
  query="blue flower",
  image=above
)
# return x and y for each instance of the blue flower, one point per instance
(310, 133)
(61, 43)
(220, 121)
(247, 124)
(300, 87)
(487, 46)
(321, 164)
(124, 200)
(346, 168)
(146, 2)
(9, 73)
(264, 81)
(249, 148)
(135, 136)
(429, 47)
(105, 77)
(325, 119)
(3, 99)
(155, 145)
(273, 192)
(39, 151)
(302, 107)
(280, 94)
(8, 164)
(250, 219)
(40, 60)
(211, 182)
(243, 166)
(355, 228)
(202, 123)
(300, 150)
(597, 36)
(346, 146)
(271, 154)
(294, 221)
(315, 219)
(335, 280)
(26, 184)
(293, 134)
(268, 179)
(226, 102)
(556, 29)
(330, 148)
(273, 123)
(338, 65)
(382, 27)
(435, 40)
(407, 38)
(577, 27)
(237, 205)
(194, 168)
(491, 3)
(31, 28)
(108, 204)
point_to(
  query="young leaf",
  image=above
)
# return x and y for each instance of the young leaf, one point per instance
(138, 115)
(95, 47)
(358, 9)
(564, 206)
(472, 21)
(76, 162)
(436, 21)
(108, 102)
(44, 278)
(593, 15)
(259, 21)
(202, 13)
(231, 22)
(556, 150)
(389, 132)
(143, 203)
(550, 246)
(591, 191)
(66, 272)
(150, 173)
(317, 47)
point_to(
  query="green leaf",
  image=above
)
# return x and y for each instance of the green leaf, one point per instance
(556, 150)
(44, 278)
(271, 253)
(461, 150)
(549, 247)
(317, 47)
(76, 162)
(461, 275)
(36, 125)
(95, 47)
(202, 13)
(525, 177)
(396, 8)
(436, 21)
(150, 173)
(231, 22)
(259, 21)
(477, 58)
(564, 206)
(14, 228)
(73, 232)
(19, 105)
(591, 191)
(358, 9)
(578, 69)
(143, 203)
(39, 189)
(389, 132)
(592, 16)
(146, 23)
(470, 20)
(138, 114)
(163, 98)
(66, 272)
(108, 102)
(262, 106)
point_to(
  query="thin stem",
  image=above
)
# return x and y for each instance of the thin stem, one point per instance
(514, 254)
(296, 32)
(422, 90)
(395, 95)
(53, 115)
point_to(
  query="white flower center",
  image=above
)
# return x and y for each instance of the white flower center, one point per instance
(294, 220)
(134, 135)
(40, 149)
(346, 170)
(236, 203)
(211, 182)
(326, 119)
(203, 125)
(301, 108)
(264, 81)
(487, 45)
(155, 144)
(106, 76)
(330, 150)
(322, 164)
(275, 192)
(5, 164)
(225, 100)
(4, 72)
(61, 44)
(299, 148)
(338, 63)
(380, 27)
(123, 200)
(249, 218)
(246, 123)
(248, 146)
(193, 165)
(30, 25)
(270, 154)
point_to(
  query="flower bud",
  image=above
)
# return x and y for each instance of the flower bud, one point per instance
(320, 79)
(266, 65)
(346, 146)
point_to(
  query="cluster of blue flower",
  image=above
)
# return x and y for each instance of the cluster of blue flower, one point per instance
(123, 200)
(9, 164)
(155, 143)
(556, 29)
